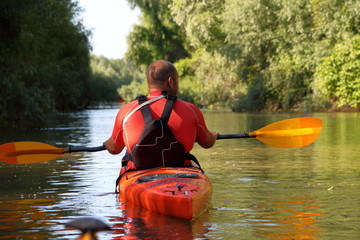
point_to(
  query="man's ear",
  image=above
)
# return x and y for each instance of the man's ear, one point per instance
(171, 83)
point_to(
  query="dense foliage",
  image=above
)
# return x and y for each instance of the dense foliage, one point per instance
(44, 62)
(45, 65)
(158, 36)
(260, 54)
(338, 77)
(109, 75)
(245, 55)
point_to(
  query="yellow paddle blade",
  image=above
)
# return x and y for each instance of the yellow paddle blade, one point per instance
(28, 152)
(291, 133)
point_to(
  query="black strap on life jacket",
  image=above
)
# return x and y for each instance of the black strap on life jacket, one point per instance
(157, 145)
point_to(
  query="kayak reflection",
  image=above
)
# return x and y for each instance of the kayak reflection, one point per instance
(25, 215)
(289, 219)
(140, 223)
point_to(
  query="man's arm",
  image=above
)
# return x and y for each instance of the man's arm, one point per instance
(204, 137)
(210, 140)
(112, 147)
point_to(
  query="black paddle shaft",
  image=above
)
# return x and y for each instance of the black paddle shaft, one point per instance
(228, 136)
(85, 149)
(102, 148)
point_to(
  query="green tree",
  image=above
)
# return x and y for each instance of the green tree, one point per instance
(130, 91)
(338, 76)
(157, 36)
(44, 61)
(109, 75)
(201, 21)
(209, 76)
(269, 48)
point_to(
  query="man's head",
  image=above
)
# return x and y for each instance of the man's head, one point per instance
(162, 75)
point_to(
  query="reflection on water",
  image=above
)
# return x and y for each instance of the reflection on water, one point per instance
(20, 217)
(140, 223)
(291, 219)
(259, 192)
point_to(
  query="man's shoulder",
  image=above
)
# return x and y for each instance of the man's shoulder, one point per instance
(187, 105)
(128, 106)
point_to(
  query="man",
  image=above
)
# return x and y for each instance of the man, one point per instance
(185, 120)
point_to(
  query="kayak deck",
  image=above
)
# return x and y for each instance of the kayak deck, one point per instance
(179, 192)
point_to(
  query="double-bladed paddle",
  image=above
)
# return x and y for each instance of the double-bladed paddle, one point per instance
(35, 152)
(290, 133)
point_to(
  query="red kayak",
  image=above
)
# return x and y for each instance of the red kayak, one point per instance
(179, 192)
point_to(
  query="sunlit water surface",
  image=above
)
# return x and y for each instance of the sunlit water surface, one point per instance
(259, 192)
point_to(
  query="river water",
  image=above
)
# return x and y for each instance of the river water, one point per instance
(259, 192)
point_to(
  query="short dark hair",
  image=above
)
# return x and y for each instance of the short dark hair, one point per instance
(159, 71)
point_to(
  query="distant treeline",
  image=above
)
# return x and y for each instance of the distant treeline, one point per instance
(245, 55)
(258, 55)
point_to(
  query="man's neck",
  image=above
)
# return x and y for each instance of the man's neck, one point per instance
(155, 92)
(156, 89)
